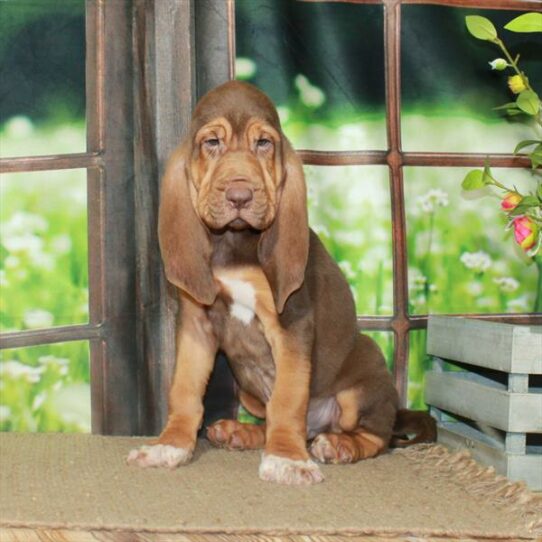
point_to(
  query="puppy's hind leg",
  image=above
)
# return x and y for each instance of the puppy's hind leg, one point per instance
(234, 435)
(352, 441)
(367, 410)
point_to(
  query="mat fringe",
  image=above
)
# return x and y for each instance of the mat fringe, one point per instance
(479, 480)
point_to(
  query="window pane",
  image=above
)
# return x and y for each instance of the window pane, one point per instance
(45, 388)
(448, 88)
(349, 207)
(42, 77)
(322, 64)
(43, 249)
(461, 258)
(419, 363)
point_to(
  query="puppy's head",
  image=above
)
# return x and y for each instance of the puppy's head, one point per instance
(236, 162)
(235, 170)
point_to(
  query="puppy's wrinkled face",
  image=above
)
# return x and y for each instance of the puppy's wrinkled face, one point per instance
(236, 171)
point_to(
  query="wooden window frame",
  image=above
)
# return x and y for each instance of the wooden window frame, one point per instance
(146, 64)
(401, 323)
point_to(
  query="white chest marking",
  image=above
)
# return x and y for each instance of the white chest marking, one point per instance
(243, 306)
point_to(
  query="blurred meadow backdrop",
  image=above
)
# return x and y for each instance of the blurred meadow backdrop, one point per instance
(322, 64)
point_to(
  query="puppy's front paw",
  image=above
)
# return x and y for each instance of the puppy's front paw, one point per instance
(159, 455)
(282, 470)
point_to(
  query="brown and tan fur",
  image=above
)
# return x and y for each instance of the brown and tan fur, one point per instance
(255, 282)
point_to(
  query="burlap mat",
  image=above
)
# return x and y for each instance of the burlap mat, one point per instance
(82, 481)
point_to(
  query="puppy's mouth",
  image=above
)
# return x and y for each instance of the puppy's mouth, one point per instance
(234, 219)
(238, 224)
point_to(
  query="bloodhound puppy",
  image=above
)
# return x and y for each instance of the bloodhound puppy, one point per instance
(255, 282)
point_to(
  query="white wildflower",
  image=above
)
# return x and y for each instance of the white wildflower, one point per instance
(37, 319)
(475, 288)
(380, 236)
(379, 252)
(354, 294)
(42, 260)
(12, 262)
(19, 127)
(506, 284)
(350, 237)
(284, 113)
(61, 244)
(245, 68)
(22, 223)
(38, 401)
(501, 267)
(485, 302)
(59, 364)
(5, 413)
(16, 370)
(418, 300)
(346, 268)
(320, 229)
(347, 134)
(416, 281)
(427, 240)
(25, 243)
(477, 261)
(53, 360)
(433, 199)
(520, 304)
(309, 94)
(21, 273)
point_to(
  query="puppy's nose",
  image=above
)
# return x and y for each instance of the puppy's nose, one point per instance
(239, 196)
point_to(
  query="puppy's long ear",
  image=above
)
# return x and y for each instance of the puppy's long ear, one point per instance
(284, 247)
(184, 241)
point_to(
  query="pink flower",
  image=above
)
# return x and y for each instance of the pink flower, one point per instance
(525, 232)
(510, 201)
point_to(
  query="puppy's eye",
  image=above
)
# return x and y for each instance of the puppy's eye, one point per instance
(263, 143)
(212, 142)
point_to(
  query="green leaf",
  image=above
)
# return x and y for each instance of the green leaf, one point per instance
(520, 209)
(509, 105)
(480, 27)
(536, 157)
(525, 143)
(529, 102)
(528, 22)
(530, 201)
(473, 180)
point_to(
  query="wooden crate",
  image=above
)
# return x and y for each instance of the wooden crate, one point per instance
(485, 392)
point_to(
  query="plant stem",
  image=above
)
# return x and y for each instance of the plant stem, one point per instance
(538, 299)
(513, 63)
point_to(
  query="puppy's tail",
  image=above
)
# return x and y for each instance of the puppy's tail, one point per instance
(413, 427)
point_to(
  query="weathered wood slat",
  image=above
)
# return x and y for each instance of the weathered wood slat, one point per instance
(18, 339)
(504, 347)
(115, 394)
(526, 467)
(52, 162)
(471, 396)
